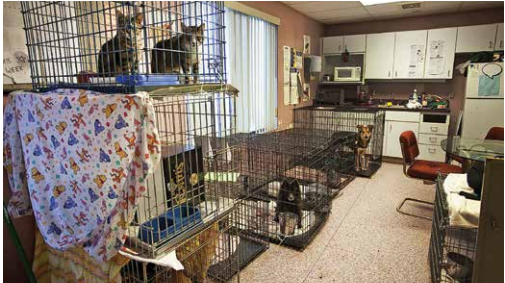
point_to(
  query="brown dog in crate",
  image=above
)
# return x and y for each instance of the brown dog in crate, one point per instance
(363, 138)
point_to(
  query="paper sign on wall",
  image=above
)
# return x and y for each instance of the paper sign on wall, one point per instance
(306, 44)
(286, 68)
(294, 98)
(297, 59)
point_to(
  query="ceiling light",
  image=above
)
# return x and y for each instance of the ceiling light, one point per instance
(375, 2)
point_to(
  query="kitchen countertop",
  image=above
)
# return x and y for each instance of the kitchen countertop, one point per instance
(376, 107)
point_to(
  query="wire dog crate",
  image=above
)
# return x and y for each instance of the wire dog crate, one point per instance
(124, 46)
(367, 159)
(289, 182)
(211, 255)
(452, 248)
(194, 183)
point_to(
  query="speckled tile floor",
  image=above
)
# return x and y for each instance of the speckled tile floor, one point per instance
(364, 240)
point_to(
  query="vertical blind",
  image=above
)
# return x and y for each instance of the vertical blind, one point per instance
(251, 46)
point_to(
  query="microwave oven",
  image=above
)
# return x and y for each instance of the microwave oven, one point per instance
(347, 74)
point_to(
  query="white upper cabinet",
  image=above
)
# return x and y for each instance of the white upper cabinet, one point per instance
(498, 45)
(410, 51)
(338, 44)
(379, 55)
(333, 44)
(440, 53)
(476, 38)
(355, 43)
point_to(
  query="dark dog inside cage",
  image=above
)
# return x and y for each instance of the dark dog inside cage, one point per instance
(120, 55)
(180, 54)
(289, 200)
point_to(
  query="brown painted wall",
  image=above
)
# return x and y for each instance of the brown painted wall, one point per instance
(486, 16)
(290, 32)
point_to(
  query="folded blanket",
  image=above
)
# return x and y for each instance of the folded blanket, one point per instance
(463, 212)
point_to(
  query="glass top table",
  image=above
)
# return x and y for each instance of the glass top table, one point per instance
(472, 149)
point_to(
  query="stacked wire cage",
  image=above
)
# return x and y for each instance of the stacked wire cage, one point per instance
(453, 248)
(348, 120)
(288, 183)
(175, 51)
(209, 254)
(124, 46)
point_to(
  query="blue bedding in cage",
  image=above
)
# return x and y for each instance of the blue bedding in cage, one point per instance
(148, 80)
(169, 224)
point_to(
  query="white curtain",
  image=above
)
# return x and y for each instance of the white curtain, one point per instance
(251, 45)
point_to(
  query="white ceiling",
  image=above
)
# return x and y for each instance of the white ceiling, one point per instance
(334, 12)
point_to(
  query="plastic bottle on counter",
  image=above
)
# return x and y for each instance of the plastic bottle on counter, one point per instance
(414, 95)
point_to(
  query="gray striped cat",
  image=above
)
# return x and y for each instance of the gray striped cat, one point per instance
(120, 55)
(180, 54)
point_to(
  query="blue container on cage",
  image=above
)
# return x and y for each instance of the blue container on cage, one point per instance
(148, 80)
(169, 224)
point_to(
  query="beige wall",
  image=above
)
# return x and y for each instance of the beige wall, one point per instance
(291, 30)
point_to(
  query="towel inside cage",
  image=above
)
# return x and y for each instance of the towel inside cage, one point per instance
(169, 224)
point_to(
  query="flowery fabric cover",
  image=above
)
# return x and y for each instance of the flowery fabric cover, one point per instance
(84, 157)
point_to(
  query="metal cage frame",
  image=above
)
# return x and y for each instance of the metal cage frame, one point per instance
(124, 46)
(446, 239)
(346, 119)
(271, 160)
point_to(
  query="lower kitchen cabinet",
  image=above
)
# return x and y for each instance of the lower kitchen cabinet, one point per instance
(392, 134)
(430, 130)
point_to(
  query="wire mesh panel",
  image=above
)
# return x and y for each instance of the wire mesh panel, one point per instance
(196, 180)
(289, 183)
(452, 248)
(211, 255)
(121, 46)
(366, 123)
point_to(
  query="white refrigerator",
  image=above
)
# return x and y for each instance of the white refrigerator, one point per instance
(483, 105)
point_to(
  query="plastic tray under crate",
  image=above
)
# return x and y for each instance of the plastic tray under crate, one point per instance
(169, 224)
(247, 250)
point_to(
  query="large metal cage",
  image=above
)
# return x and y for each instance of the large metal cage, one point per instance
(347, 119)
(452, 248)
(289, 181)
(210, 255)
(124, 46)
(196, 180)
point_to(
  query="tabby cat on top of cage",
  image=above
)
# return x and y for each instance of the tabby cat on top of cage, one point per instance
(179, 54)
(120, 55)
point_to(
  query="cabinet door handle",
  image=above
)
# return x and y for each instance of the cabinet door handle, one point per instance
(432, 150)
(490, 44)
(339, 47)
(396, 74)
(433, 140)
(389, 74)
(434, 129)
(449, 73)
(390, 127)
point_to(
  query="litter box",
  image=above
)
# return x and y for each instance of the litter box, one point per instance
(169, 224)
